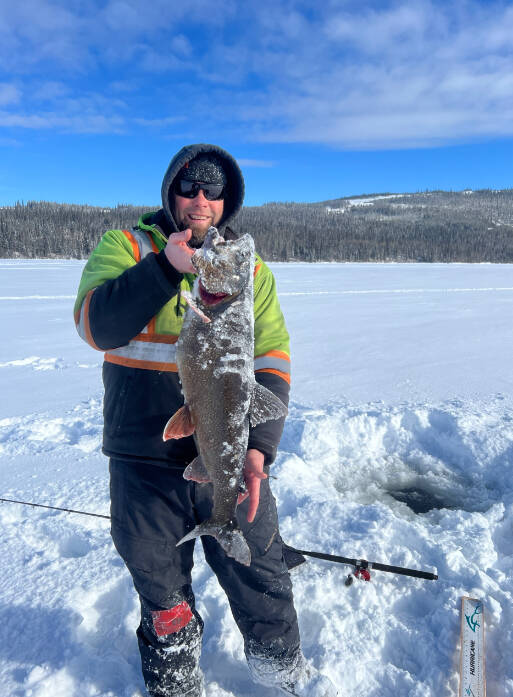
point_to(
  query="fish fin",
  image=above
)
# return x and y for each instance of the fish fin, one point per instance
(265, 406)
(229, 536)
(180, 424)
(196, 471)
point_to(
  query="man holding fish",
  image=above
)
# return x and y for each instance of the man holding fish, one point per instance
(190, 323)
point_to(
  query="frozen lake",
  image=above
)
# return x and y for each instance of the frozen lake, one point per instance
(398, 448)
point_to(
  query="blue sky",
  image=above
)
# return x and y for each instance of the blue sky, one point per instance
(315, 100)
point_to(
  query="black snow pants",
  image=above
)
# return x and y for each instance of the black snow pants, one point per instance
(152, 508)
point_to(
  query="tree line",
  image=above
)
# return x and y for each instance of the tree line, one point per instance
(430, 226)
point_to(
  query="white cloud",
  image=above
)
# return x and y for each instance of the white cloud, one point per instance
(84, 123)
(373, 31)
(9, 94)
(244, 162)
(39, 31)
(353, 74)
(123, 86)
(9, 143)
(181, 45)
(78, 36)
(159, 123)
(49, 91)
(416, 74)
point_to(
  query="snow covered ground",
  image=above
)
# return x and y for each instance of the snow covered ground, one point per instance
(398, 449)
(367, 201)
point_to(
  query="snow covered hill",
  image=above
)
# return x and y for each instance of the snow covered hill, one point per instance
(398, 449)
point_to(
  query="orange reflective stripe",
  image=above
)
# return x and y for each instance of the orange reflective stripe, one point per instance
(257, 269)
(275, 354)
(144, 365)
(135, 246)
(157, 338)
(283, 376)
(150, 333)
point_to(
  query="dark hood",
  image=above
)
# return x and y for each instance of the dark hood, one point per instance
(234, 189)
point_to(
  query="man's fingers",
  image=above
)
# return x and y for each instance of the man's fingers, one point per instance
(253, 507)
(178, 252)
(254, 498)
(253, 492)
(253, 475)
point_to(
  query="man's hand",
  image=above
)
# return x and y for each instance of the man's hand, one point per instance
(253, 475)
(178, 251)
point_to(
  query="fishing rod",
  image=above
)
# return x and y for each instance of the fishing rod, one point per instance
(362, 566)
(56, 508)
(294, 557)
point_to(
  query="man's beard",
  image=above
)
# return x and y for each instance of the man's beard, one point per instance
(198, 235)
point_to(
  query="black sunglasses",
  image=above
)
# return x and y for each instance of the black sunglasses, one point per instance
(187, 189)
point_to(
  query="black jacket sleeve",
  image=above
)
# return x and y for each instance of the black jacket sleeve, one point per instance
(266, 436)
(120, 308)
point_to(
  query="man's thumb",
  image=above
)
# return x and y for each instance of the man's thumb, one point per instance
(182, 236)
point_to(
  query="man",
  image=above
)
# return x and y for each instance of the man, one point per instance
(129, 305)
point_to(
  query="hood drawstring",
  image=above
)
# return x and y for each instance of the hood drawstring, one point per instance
(179, 307)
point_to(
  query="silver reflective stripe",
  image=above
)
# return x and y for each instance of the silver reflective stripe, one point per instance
(143, 242)
(271, 362)
(81, 322)
(146, 351)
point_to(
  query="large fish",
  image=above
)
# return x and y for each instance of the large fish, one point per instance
(214, 355)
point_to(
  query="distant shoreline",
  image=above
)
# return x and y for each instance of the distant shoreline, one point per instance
(424, 227)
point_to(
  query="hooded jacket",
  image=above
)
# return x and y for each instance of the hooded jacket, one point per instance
(128, 305)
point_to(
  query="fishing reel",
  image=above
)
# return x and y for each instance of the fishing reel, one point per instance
(361, 571)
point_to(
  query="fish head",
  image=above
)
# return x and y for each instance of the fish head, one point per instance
(224, 267)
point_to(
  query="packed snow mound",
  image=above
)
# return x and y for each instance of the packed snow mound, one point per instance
(454, 455)
(81, 427)
(415, 485)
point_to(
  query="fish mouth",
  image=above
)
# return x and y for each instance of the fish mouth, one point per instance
(211, 299)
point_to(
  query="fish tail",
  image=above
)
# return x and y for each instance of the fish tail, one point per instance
(229, 536)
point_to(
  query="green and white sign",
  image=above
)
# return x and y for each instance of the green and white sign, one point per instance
(472, 666)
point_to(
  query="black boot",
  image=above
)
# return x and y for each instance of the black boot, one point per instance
(295, 677)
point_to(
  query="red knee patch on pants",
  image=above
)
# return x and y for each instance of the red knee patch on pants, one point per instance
(170, 621)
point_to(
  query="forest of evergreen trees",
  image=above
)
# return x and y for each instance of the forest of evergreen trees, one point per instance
(433, 226)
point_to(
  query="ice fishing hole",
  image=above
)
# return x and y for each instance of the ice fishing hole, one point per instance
(420, 500)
